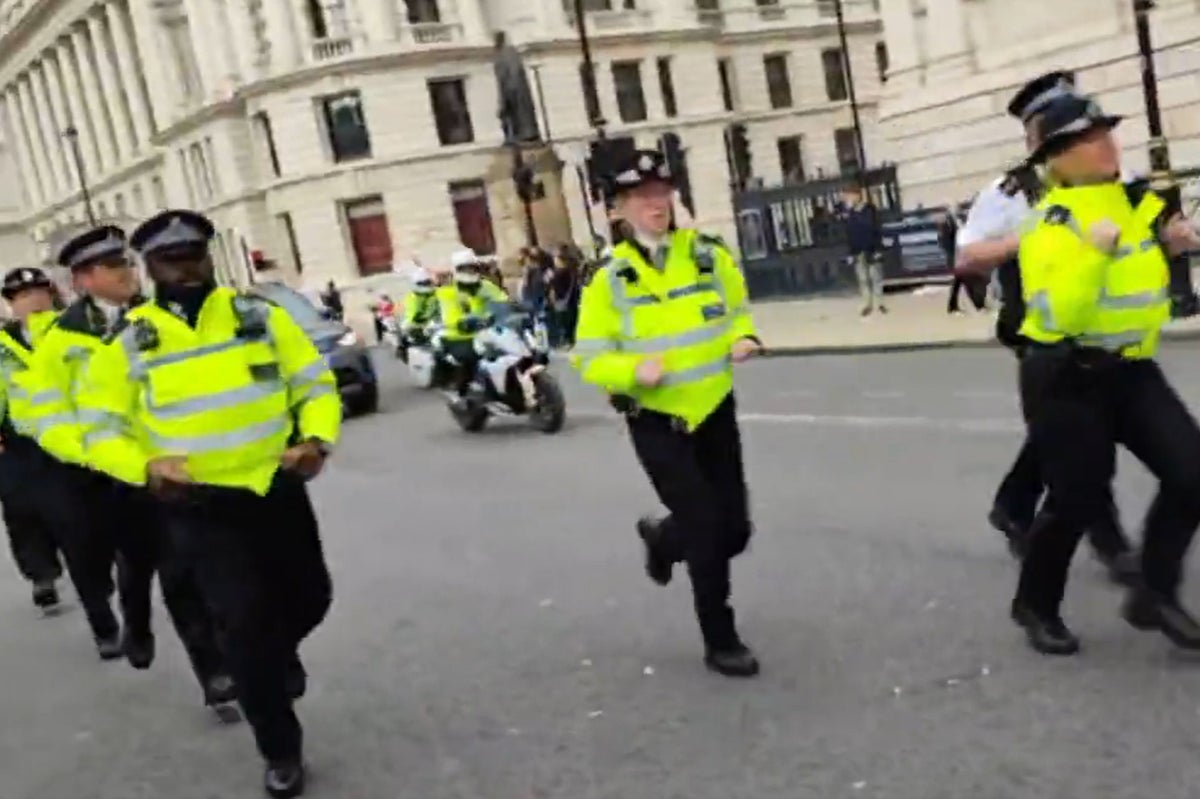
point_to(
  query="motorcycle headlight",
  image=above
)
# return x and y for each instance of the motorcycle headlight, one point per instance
(348, 339)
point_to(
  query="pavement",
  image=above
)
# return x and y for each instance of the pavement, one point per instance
(493, 636)
(915, 320)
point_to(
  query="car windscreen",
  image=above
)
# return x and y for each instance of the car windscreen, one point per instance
(303, 312)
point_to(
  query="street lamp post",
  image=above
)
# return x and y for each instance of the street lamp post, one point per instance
(858, 134)
(71, 134)
(1183, 294)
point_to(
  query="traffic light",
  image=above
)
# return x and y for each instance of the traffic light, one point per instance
(603, 155)
(737, 147)
(676, 157)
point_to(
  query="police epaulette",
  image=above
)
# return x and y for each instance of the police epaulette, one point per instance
(1057, 215)
(711, 240)
(119, 327)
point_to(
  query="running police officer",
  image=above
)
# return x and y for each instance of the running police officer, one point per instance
(1095, 279)
(37, 488)
(125, 525)
(658, 327)
(220, 404)
(988, 241)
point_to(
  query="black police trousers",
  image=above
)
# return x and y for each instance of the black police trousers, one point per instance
(698, 476)
(1021, 491)
(260, 566)
(42, 494)
(1078, 408)
(129, 530)
(33, 543)
(466, 362)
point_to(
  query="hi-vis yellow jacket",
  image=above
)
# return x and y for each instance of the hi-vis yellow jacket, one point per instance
(229, 395)
(1075, 291)
(456, 306)
(62, 357)
(690, 313)
(27, 398)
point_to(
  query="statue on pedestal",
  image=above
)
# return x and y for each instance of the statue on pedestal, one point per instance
(518, 112)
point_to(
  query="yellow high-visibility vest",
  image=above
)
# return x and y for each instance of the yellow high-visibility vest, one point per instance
(455, 306)
(28, 398)
(229, 395)
(1075, 291)
(689, 312)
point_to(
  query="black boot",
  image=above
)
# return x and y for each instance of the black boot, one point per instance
(284, 779)
(139, 650)
(737, 661)
(219, 689)
(658, 565)
(45, 595)
(1015, 533)
(1046, 633)
(110, 647)
(1145, 610)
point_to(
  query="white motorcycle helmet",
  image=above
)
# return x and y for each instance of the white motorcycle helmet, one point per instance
(422, 282)
(466, 268)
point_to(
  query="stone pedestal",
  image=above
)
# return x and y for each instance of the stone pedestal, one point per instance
(550, 216)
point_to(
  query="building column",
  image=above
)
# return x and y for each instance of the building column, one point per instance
(900, 35)
(949, 54)
(94, 101)
(62, 113)
(114, 98)
(76, 110)
(148, 43)
(33, 137)
(470, 16)
(51, 130)
(282, 36)
(205, 43)
(128, 65)
(378, 20)
(245, 41)
(14, 134)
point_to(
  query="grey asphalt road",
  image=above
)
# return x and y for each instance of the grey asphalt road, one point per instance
(493, 636)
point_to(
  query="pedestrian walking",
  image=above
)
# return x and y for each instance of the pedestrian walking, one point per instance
(988, 242)
(221, 406)
(40, 497)
(1095, 275)
(976, 287)
(125, 527)
(659, 326)
(864, 235)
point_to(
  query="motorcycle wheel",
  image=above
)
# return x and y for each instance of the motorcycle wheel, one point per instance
(551, 411)
(471, 419)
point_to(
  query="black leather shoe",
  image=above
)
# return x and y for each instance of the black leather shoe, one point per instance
(296, 680)
(284, 779)
(45, 596)
(110, 648)
(1145, 611)
(1123, 569)
(220, 690)
(1046, 634)
(1014, 533)
(139, 650)
(736, 662)
(658, 567)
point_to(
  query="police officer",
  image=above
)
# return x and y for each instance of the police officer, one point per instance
(220, 404)
(988, 241)
(40, 504)
(1095, 281)
(464, 308)
(659, 325)
(125, 525)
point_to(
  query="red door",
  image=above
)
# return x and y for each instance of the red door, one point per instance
(370, 236)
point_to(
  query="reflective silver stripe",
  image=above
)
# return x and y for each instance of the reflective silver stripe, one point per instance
(696, 373)
(621, 299)
(595, 346)
(687, 291)
(90, 417)
(1114, 341)
(702, 335)
(195, 352)
(215, 442)
(1143, 299)
(93, 437)
(1040, 302)
(107, 420)
(213, 402)
(308, 374)
(311, 393)
(54, 420)
(46, 397)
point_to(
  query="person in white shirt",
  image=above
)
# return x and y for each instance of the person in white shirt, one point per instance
(987, 243)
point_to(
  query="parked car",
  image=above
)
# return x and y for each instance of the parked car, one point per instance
(347, 354)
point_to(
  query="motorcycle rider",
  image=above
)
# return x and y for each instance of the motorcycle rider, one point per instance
(464, 307)
(420, 311)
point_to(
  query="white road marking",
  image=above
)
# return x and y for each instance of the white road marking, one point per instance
(982, 425)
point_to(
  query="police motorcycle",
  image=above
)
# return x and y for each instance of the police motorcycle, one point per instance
(511, 378)
(420, 350)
